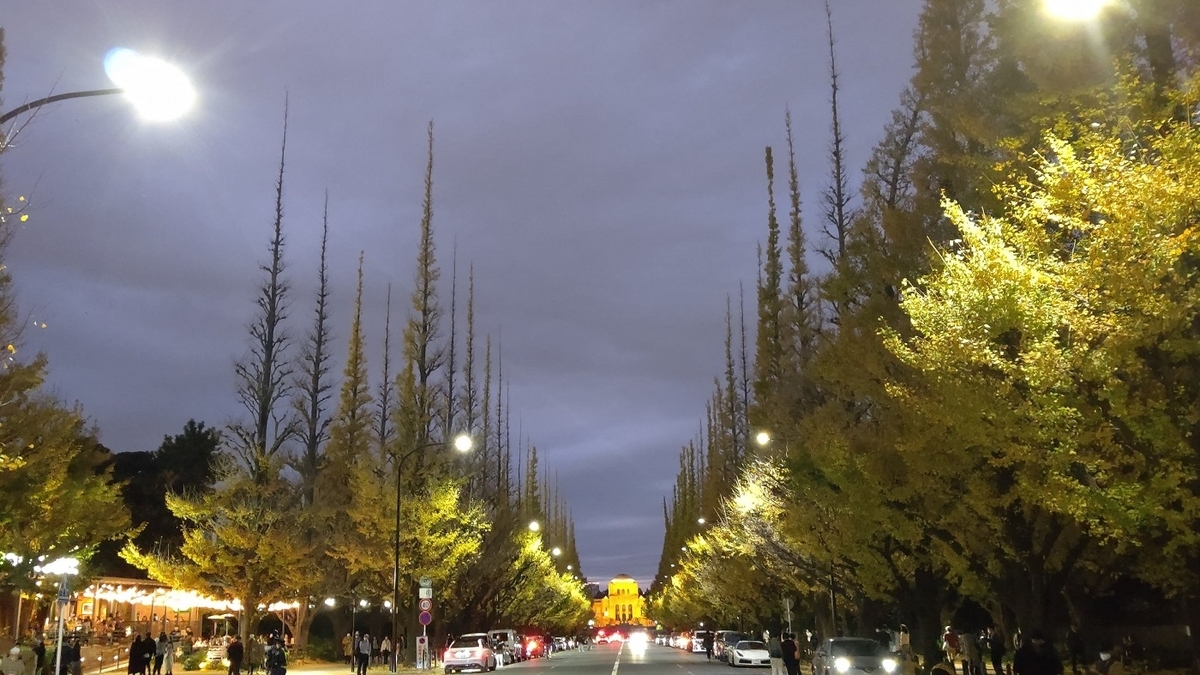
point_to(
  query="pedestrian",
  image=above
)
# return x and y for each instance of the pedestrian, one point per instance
(791, 654)
(160, 653)
(972, 657)
(235, 652)
(348, 649)
(775, 652)
(950, 646)
(364, 653)
(254, 653)
(275, 659)
(76, 667)
(1075, 650)
(385, 650)
(169, 657)
(1037, 657)
(1108, 663)
(13, 664)
(997, 646)
(708, 645)
(149, 649)
(137, 656)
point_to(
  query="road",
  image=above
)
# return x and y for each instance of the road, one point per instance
(622, 659)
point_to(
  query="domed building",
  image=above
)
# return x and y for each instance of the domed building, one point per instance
(621, 605)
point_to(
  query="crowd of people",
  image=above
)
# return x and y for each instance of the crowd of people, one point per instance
(361, 650)
(1033, 655)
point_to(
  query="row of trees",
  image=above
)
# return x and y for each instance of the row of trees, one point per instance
(299, 500)
(990, 395)
(312, 492)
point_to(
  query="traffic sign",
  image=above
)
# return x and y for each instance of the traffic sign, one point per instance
(425, 619)
(64, 592)
(426, 582)
(426, 604)
(424, 592)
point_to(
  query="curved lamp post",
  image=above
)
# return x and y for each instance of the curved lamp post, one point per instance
(158, 90)
(462, 443)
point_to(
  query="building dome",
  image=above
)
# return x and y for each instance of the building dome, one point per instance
(622, 577)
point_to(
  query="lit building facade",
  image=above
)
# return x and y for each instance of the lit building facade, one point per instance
(621, 605)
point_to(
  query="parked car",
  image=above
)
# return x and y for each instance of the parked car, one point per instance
(697, 644)
(852, 656)
(748, 653)
(507, 643)
(470, 652)
(723, 642)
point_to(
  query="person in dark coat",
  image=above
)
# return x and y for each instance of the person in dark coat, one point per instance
(791, 654)
(137, 655)
(235, 652)
(1037, 657)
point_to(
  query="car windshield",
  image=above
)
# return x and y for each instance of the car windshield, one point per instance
(856, 648)
(751, 644)
(466, 643)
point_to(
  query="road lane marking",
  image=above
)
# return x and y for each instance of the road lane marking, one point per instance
(617, 664)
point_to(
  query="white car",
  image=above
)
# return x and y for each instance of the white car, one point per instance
(748, 653)
(853, 656)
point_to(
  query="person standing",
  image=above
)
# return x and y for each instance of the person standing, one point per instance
(254, 653)
(791, 654)
(950, 646)
(76, 660)
(775, 652)
(275, 660)
(169, 657)
(364, 653)
(13, 664)
(708, 645)
(136, 656)
(997, 647)
(235, 652)
(348, 649)
(1037, 657)
(1075, 648)
(972, 657)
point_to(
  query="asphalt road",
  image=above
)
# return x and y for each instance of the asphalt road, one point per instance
(623, 659)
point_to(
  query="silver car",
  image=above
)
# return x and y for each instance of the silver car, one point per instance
(853, 656)
(469, 652)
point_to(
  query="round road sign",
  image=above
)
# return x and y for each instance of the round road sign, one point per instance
(426, 604)
(426, 582)
(426, 618)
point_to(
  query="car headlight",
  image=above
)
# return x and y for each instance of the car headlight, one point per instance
(842, 665)
(889, 665)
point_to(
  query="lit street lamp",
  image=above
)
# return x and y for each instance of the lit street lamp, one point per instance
(462, 443)
(66, 568)
(1076, 10)
(534, 526)
(158, 90)
(762, 438)
(556, 551)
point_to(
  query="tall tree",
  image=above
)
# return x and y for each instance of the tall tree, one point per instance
(313, 386)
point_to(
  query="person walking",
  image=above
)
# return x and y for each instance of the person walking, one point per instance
(364, 653)
(160, 652)
(13, 664)
(235, 652)
(385, 650)
(997, 647)
(972, 657)
(775, 652)
(950, 646)
(1037, 657)
(348, 649)
(76, 660)
(791, 654)
(708, 644)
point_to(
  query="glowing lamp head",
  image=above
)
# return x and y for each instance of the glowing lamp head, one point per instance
(534, 526)
(556, 551)
(463, 443)
(330, 602)
(762, 438)
(159, 90)
(1075, 10)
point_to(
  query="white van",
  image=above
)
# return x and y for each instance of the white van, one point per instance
(507, 643)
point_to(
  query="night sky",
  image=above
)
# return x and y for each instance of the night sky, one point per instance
(599, 163)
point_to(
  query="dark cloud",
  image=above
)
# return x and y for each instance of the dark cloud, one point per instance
(600, 164)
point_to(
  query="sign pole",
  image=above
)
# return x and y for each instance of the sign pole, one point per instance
(64, 595)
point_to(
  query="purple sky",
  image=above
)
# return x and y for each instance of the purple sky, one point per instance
(600, 163)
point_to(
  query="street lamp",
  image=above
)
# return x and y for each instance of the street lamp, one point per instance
(534, 526)
(556, 551)
(1075, 10)
(462, 443)
(158, 90)
(701, 520)
(64, 567)
(762, 438)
